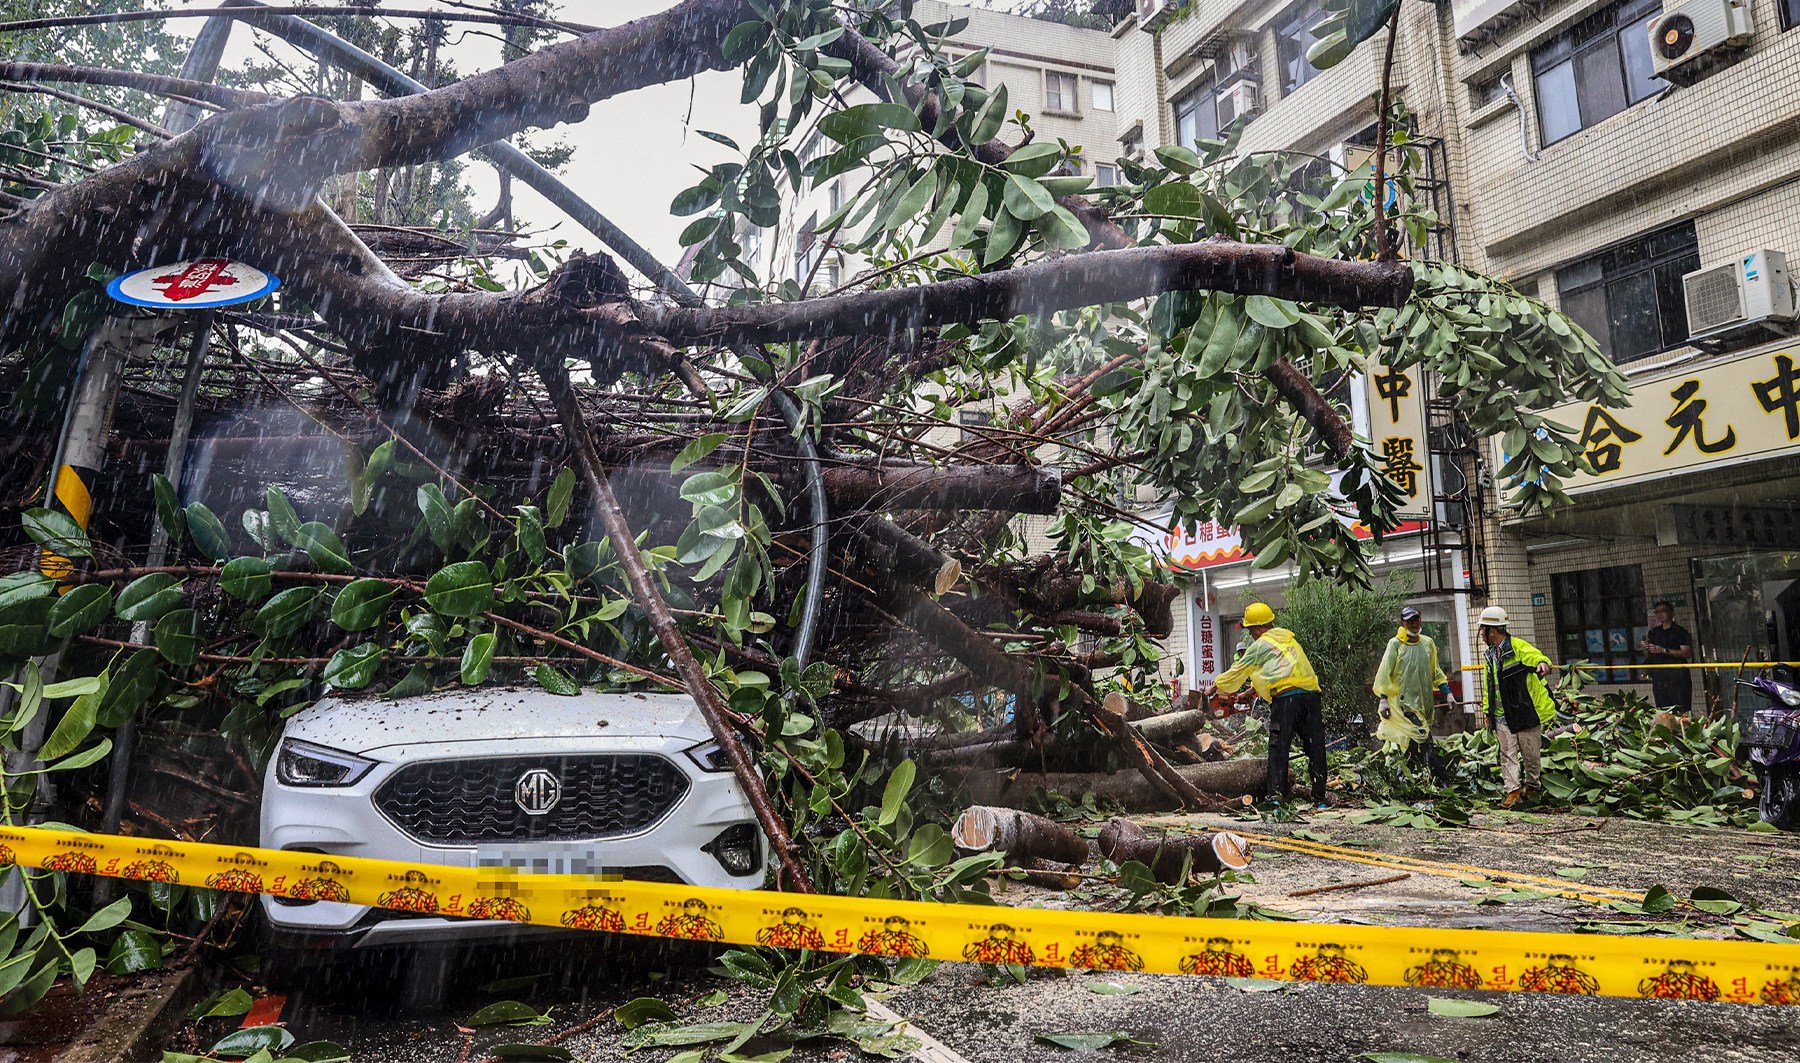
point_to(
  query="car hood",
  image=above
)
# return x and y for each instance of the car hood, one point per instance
(487, 714)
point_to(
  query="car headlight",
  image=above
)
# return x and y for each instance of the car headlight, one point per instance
(709, 756)
(1791, 697)
(304, 764)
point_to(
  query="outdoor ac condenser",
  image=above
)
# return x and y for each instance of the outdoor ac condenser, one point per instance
(1752, 291)
(1238, 101)
(1688, 38)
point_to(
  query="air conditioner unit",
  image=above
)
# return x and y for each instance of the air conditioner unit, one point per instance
(1688, 39)
(1238, 101)
(1750, 292)
(1149, 12)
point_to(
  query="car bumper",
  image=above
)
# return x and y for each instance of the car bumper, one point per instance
(344, 821)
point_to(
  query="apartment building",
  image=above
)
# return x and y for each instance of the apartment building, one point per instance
(1635, 163)
(1643, 205)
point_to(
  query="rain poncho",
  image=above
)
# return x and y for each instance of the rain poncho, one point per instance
(1409, 672)
(1273, 664)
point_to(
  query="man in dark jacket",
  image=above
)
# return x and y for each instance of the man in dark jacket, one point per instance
(1516, 703)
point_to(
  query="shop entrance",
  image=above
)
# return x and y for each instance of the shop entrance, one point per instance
(1748, 608)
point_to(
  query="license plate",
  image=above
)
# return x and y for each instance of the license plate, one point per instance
(538, 862)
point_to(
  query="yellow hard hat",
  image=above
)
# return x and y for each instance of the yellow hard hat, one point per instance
(1256, 614)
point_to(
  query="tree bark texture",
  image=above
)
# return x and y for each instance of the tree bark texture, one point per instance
(1167, 854)
(1023, 836)
(1240, 777)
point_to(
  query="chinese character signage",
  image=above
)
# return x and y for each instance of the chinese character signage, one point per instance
(1742, 410)
(1397, 425)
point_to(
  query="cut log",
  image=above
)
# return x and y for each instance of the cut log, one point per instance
(1171, 726)
(1021, 835)
(1239, 777)
(1167, 854)
(866, 484)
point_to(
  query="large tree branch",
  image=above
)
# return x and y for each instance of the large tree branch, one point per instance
(1044, 287)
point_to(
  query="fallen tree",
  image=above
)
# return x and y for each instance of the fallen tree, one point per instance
(1173, 857)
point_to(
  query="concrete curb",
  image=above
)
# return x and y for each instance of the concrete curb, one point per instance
(130, 1028)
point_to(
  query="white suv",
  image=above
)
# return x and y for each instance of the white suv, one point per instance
(629, 785)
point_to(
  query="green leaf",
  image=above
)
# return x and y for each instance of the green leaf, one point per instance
(353, 666)
(322, 545)
(899, 784)
(1213, 354)
(1715, 900)
(134, 951)
(224, 1004)
(1182, 160)
(1088, 1040)
(80, 610)
(1033, 160)
(362, 603)
(465, 588)
(868, 119)
(531, 534)
(637, 1012)
(282, 516)
(208, 531)
(76, 724)
(177, 637)
(972, 213)
(1063, 230)
(246, 578)
(696, 450)
(22, 587)
(1025, 199)
(247, 1042)
(912, 201)
(128, 687)
(477, 658)
(1113, 989)
(507, 1013)
(1177, 199)
(557, 681)
(556, 501)
(285, 613)
(438, 521)
(1271, 313)
(168, 508)
(93, 754)
(1576, 873)
(148, 597)
(991, 117)
(1364, 18)
(1452, 1007)
(56, 531)
(108, 917)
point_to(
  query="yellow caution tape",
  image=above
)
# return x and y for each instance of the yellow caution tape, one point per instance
(1426, 957)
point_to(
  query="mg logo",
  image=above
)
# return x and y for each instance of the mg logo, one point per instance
(537, 792)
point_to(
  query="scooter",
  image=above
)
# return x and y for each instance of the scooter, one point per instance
(1773, 735)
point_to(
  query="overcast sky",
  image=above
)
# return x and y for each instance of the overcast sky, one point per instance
(632, 154)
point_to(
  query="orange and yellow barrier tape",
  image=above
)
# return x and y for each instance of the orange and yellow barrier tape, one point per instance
(1425, 957)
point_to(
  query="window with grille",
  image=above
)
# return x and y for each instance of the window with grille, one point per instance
(1629, 297)
(1060, 92)
(1293, 36)
(1600, 618)
(1197, 115)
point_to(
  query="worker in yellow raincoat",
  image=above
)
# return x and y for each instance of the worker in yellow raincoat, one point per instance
(1408, 676)
(1276, 668)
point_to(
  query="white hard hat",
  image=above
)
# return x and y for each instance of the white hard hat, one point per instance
(1493, 616)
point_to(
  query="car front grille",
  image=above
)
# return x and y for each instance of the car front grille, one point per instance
(462, 802)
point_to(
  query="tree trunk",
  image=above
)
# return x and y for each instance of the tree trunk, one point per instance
(1171, 726)
(896, 553)
(1167, 854)
(1021, 835)
(1236, 778)
(895, 485)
